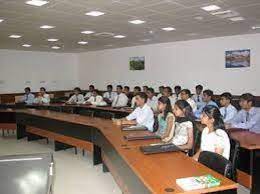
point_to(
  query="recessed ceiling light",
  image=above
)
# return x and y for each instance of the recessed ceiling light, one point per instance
(1, 20)
(15, 36)
(26, 45)
(211, 8)
(47, 27)
(256, 27)
(221, 12)
(94, 13)
(37, 2)
(236, 19)
(82, 42)
(52, 39)
(55, 47)
(119, 36)
(168, 29)
(87, 32)
(137, 21)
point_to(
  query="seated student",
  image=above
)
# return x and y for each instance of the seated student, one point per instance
(207, 100)
(214, 137)
(120, 99)
(176, 95)
(28, 97)
(161, 88)
(227, 110)
(167, 91)
(90, 92)
(183, 131)
(142, 115)
(186, 95)
(198, 96)
(96, 99)
(145, 88)
(248, 117)
(137, 89)
(109, 95)
(43, 97)
(77, 98)
(152, 100)
(128, 94)
(166, 119)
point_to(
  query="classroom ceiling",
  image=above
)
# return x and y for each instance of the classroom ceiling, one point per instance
(187, 17)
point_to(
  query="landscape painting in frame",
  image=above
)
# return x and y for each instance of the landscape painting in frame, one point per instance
(238, 58)
(137, 63)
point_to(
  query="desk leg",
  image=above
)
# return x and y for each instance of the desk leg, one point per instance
(255, 171)
(21, 131)
(97, 159)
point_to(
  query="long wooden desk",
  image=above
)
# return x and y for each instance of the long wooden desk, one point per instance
(249, 159)
(133, 171)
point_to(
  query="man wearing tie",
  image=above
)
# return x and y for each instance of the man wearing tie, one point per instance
(248, 117)
(96, 99)
(121, 99)
(198, 96)
(227, 110)
(28, 97)
(77, 98)
(109, 95)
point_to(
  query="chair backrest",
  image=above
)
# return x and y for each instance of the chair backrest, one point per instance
(88, 113)
(104, 115)
(216, 162)
(234, 154)
(196, 141)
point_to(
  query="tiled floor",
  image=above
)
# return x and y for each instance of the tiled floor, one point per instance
(75, 174)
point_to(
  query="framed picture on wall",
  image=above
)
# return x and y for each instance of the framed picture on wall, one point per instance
(137, 63)
(238, 58)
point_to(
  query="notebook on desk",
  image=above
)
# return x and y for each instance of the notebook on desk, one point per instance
(159, 148)
(141, 136)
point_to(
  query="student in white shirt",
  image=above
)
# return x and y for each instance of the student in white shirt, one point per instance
(214, 137)
(186, 95)
(43, 97)
(142, 115)
(77, 98)
(177, 94)
(145, 89)
(152, 100)
(109, 95)
(121, 99)
(137, 89)
(183, 131)
(28, 97)
(96, 99)
(167, 91)
(90, 92)
(227, 110)
(198, 96)
(161, 88)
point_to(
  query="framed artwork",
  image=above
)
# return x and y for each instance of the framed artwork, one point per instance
(238, 58)
(137, 63)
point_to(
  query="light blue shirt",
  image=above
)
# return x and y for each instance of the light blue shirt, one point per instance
(199, 110)
(247, 120)
(228, 113)
(28, 98)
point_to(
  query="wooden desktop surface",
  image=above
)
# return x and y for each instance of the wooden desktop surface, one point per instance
(247, 139)
(158, 172)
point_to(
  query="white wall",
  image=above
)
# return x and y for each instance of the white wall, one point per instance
(186, 63)
(35, 69)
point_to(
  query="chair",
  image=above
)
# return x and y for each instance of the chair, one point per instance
(219, 164)
(234, 154)
(104, 115)
(85, 112)
(196, 141)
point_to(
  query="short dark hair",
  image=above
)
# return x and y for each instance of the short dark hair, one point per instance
(187, 91)
(96, 90)
(145, 87)
(177, 88)
(161, 87)
(43, 88)
(199, 87)
(127, 87)
(28, 89)
(92, 86)
(226, 95)
(150, 90)
(137, 88)
(248, 97)
(119, 86)
(143, 96)
(110, 86)
(77, 89)
(169, 89)
(208, 92)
